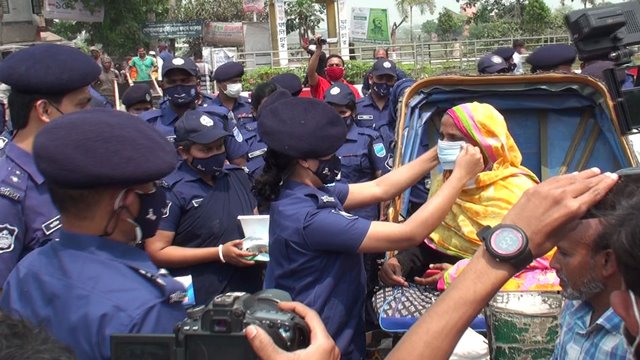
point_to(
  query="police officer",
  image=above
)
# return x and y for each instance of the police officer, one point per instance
(314, 245)
(137, 99)
(47, 81)
(100, 166)
(379, 53)
(372, 111)
(228, 78)
(554, 57)
(288, 81)
(507, 53)
(492, 64)
(180, 84)
(199, 232)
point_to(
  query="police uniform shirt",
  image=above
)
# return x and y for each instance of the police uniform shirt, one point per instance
(257, 148)
(28, 218)
(313, 247)
(362, 155)
(368, 115)
(164, 120)
(127, 293)
(187, 194)
(240, 113)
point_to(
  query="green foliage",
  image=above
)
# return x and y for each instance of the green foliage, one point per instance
(496, 29)
(429, 26)
(449, 25)
(304, 16)
(537, 17)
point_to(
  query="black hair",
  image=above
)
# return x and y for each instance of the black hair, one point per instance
(186, 144)
(386, 51)
(276, 168)
(21, 104)
(80, 204)
(335, 56)
(518, 43)
(20, 340)
(261, 92)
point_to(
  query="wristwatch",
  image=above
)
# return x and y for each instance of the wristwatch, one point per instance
(507, 243)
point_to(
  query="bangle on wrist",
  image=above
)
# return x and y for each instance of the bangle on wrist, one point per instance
(220, 253)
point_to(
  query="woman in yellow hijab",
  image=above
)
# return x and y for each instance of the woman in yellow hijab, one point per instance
(484, 201)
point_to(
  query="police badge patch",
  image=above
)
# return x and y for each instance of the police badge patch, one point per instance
(237, 134)
(7, 237)
(379, 150)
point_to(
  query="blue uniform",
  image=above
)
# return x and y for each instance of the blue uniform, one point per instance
(362, 155)
(313, 247)
(164, 120)
(420, 191)
(368, 115)
(28, 218)
(241, 109)
(202, 215)
(84, 288)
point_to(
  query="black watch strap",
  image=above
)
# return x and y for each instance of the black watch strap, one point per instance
(519, 262)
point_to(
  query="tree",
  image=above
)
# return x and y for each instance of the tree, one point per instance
(405, 7)
(303, 16)
(449, 25)
(428, 27)
(537, 17)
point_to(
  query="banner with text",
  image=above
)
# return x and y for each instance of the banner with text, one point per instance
(253, 6)
(173, 29)
(369, 25)
(223, 34)
(74, 11)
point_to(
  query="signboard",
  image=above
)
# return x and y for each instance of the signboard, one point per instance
(369, 25)
(281, 28)
(75, 11)
(343, 28)
(253, 6)
(173, 29)
(223, 34)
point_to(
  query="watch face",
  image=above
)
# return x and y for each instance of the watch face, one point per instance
(507, 241)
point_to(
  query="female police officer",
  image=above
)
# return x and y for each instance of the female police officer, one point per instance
(199, 234)
(314, 244)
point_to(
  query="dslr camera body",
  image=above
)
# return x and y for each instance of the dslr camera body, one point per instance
(216, 331)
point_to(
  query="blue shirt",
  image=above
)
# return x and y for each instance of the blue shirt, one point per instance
(313, 247)
(362, 155)
(602, 340)
(84, 288)
(369, 115)
(204, 215)
(241, 109)
(28, 218)
(164, 120)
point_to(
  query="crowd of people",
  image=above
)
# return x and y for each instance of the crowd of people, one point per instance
(101, 209)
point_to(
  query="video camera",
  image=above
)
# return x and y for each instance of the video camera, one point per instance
(605, 33)
(216, 331)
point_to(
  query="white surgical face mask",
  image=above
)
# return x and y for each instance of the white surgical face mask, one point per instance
(233, 90)
(448, 152)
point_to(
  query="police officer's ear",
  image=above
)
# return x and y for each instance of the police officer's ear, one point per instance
(370, 79)
(45, 111)
(183, 152)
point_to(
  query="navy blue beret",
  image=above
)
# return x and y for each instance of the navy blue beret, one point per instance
(505, 52)
(548, 57)
(99, 147)
(492, 64)
(185, 64)
(288, 81)
(340, 94)
(228, 71)
(199, 128)
(48, 69)
(137, 93)
(274, 97)
(304, 128)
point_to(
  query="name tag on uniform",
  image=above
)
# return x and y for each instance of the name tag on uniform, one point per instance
(196, 202)
(171, 138)
(364, 117)
(52, 225)
(256, 153)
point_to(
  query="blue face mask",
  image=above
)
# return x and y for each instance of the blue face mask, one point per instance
(181, 94)
(382, 89)
(212, 165)
(448, 152)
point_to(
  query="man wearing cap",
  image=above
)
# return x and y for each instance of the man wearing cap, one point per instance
(372, 111)
(47, 81)
(228, 78)
(100, 167)
(288, 81)
(507, 54)
(181, 89)
(334, 72)
(106, 80)
(554, 57)
(96, 55)
(492, 64)
(144, 65)
(199, 235)
(137, 99)
(157, 69)
(379, 53)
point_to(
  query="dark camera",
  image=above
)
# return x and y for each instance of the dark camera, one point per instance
(322, 41)
(215, 331)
